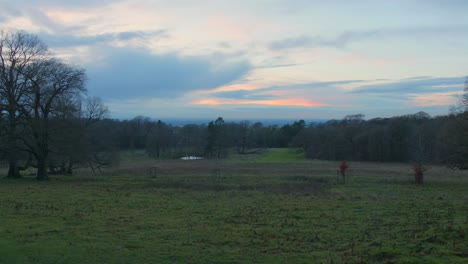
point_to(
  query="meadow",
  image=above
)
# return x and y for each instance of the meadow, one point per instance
(271, 207)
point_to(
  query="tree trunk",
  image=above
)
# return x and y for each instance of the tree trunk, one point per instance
(158, 150)
(42, 170)
(69, 170)
(419, 177)
(13, 171)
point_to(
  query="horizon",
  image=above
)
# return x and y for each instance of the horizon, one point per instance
(258, 60)
(265, 121)
(205, 121)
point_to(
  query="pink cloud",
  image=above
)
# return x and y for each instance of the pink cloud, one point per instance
(236, 87)
(298, 102)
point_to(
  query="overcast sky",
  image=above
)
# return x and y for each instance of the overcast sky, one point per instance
(258, 59)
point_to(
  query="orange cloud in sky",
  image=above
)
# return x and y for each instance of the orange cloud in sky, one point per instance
(235, 87)
(277, 102)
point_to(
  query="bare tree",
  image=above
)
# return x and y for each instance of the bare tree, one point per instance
(50, 84)
(17, 51)
(93, 110)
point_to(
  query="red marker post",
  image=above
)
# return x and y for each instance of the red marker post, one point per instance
(343, 167)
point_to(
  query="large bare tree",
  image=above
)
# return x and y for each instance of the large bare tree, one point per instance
(52, 87)
(18, 51)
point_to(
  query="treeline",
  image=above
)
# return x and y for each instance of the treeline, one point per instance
(415, 138)
(213, 140)
(90, 140)
(410, 138)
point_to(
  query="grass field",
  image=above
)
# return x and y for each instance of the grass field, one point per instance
(282, 155)
(261, 211)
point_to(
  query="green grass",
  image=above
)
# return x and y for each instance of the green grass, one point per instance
(284, 215)
(273, 155)
(133, 156)
(282, 155)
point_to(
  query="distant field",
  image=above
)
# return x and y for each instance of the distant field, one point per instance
(262, 211)
(258, 155)
(282, 155)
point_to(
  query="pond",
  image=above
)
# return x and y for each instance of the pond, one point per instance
(191, 158)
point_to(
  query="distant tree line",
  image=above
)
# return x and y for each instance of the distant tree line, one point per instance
(415, 138)
(409, 138)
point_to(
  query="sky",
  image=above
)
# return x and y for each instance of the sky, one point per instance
(257, 59)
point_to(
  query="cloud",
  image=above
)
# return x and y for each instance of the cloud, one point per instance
(243, 95)
(271, 92)
(339, 41)
(35, 14)
(8, 11)
(345, 95)
(421, 85)
(295, 95)
(39, 18)
(438, 99)
(68, 3)
(310, 86)
(280, 65)
(285, 91)
(73, 40)
(388, 41)
(347, 37)
(289, 102)
(130, 73)
(290, 43)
